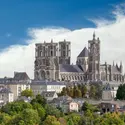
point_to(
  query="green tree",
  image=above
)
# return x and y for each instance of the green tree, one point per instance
(14, 108)
(39, 99)
(51, 110)
(4, 119)
(27, 93)
(121, 92)
(51, 120)
(84, 90)
(40, 110)
(70, 122)
(64, 92)
(78, 93)
(92, 91)
(71, 92)
(30, 117)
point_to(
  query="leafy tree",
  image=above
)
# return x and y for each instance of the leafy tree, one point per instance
(73, 119)
(92, 91)
(70, 122)
(30, 117)
(4, 119)
(51, 120)
(86, 106)
(71, 92)
(14, 108)
(51, 110)
(64, 92)
(62, 121)
(78, 93)
(40, 110)
(27, 93)
(39, 99)
(121, 92)
(84, 90)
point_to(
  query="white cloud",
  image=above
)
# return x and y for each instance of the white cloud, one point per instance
(111, 34)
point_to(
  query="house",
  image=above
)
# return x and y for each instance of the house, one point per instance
(49, 95)
(73, 106)
(39, 86)
(110, 90)
(6, 96)
(66, 103)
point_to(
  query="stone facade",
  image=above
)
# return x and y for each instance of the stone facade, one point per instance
(52, 62)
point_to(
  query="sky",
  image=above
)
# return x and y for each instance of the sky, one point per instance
(26, 22)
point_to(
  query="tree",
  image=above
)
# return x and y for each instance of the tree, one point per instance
(40, 110)
(64, 92)
(39, 99)
(92, 91)
(70, 122)
(78, 93)
(51, 110)
(121, 92)
(84, 90)
(51, 120)
(14, 108)
(71, 92)
(27, 93)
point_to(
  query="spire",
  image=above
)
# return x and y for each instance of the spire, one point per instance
(113, 63)
(94, 35)
(121, 63)
(51, 40)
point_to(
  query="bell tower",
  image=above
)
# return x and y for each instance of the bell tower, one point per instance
(94, 58)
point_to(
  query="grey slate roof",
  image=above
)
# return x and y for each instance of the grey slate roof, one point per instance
(48, 93)
(114, 69)
(5, 90)
(41, 82)
(21, 76)
(70, 68)
(84, 53)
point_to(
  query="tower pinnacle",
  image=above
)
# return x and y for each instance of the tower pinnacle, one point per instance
(94, 35)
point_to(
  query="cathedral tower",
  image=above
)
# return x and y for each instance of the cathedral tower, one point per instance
(46, 61)
(94, 58)
(64, 52)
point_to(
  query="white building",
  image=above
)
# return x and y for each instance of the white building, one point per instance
(39, 86)
(6, 96)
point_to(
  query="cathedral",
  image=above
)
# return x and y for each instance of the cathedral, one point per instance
(52, 62)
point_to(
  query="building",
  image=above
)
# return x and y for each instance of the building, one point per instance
(39, 86)
(52, 62)
(49, 95)
(110, 90)
(18, 83)
(6, 96)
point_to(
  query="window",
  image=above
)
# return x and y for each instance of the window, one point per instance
(64, 53)
(51, 53)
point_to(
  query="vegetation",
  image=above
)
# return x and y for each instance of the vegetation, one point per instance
(94, 91)
(121, 92)
(38, 112)
(27, 93)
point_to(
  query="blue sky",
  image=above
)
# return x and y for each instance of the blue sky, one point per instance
(16, 16)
